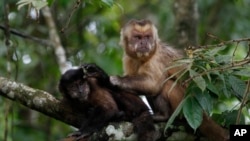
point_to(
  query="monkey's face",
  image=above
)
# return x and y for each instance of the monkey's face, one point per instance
(73, 85)
(139, 39)
(78, 89)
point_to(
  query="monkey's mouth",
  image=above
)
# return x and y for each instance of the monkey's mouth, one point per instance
(143, 51)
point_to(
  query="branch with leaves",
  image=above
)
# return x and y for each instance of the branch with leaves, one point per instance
(211, 75)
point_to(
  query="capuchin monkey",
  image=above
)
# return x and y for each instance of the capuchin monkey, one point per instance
(145, 60)
(89, 90)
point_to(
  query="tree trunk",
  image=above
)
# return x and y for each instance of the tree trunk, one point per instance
(186, 16)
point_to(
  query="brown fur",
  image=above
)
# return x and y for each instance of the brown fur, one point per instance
(89, 90)
(144, 61)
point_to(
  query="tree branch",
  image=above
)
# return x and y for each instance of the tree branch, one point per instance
(35, 39)
(40, 101)
(45, 103)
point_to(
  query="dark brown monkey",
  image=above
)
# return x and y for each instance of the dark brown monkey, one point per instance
(104, 102)
(97, 106)
(144, 61)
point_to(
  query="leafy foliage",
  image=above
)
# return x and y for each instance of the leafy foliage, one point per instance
(212, 76)
(37, 4)
(93, 35)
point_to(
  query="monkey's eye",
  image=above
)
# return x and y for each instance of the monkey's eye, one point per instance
(137, 37)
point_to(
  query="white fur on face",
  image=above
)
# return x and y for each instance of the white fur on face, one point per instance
(139, 54)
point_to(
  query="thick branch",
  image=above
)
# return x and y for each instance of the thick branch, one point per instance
(40, 101)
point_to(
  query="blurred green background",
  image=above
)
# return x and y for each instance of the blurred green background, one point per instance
(92, 36)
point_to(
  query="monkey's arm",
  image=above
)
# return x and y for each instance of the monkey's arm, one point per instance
(141, 84)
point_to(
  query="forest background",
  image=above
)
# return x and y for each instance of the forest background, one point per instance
(88, 31)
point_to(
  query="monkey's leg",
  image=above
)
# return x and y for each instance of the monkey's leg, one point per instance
(161, 108)
(212, 130)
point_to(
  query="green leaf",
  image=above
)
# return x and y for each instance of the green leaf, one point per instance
(213, 88)
(192, 112)
(224, 86)
(50, 2)
(39, 4)
(108, 2)
(205, 101)
(22, 3)
(175, 114)
(200, 81)
(214, 51)
(230, 117)
(237, 85)
(243, 72)
(184, 61)
(223, 59)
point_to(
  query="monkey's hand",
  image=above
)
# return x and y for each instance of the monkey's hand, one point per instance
(92, 70)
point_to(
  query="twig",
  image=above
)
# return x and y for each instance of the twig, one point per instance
(234, 52)
(244, 100)
(35, 39)
(237, 64)
(224, 43)
(248, 52)
(77, 4)
(214, 37)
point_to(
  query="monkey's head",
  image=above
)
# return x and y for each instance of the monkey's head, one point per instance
(73, 85)
(139, 39)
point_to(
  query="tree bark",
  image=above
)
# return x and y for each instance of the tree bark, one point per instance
(40, 101)
(186, 16)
